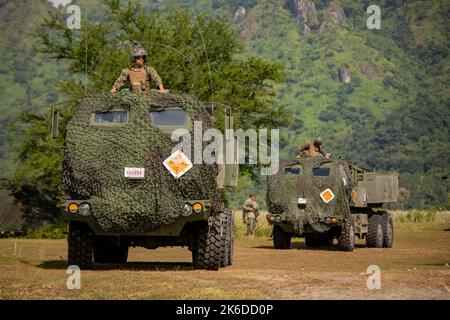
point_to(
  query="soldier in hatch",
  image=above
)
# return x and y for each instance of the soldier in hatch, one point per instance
(250, 213)
(139, 75)
(312, 148)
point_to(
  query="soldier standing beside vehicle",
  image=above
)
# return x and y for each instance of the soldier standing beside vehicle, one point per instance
(250, 213)
(139, 75)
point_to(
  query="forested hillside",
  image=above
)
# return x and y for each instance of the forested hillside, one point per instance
(26, 77)
(379, 97)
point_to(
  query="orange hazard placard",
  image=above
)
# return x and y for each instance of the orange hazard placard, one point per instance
(177, 164)
(327, 195)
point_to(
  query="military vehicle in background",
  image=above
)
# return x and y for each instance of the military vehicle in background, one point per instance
(124, 187)
(321, 199)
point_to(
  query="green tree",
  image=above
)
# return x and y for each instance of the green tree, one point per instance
(193, 54)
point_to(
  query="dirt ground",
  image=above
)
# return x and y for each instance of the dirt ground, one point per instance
(416, 268)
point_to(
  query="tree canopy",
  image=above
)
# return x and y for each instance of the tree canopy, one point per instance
(191, 53)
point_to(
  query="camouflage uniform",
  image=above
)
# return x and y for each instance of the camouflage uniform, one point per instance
(138, 78)
(312, 148)
(251, 213)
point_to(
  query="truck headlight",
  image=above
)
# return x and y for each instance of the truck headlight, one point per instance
(187, 210)
(73, 207)
(84, 209)
(197, 207)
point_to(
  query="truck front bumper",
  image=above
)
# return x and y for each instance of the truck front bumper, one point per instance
(77, 210)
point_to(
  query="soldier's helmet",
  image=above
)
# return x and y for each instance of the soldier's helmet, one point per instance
(318, 141)
(138, 51)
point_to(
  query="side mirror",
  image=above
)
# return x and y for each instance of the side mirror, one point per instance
(231, 173)
(55, 121)
(232, 170)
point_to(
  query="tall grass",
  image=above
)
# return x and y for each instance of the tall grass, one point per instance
(263, 228)
(421, 216)
(50, 231)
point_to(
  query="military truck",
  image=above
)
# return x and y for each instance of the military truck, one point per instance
(322, 199)
(123, 189)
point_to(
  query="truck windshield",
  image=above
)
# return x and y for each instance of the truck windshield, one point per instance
(111, 117)
(321, 172)
(297, 169)
(168, 117)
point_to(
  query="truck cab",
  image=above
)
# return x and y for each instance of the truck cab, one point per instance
(125, 186)
(322, 199)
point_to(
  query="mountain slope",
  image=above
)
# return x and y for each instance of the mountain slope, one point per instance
(379, 97)
(392, 111)
(26, 77)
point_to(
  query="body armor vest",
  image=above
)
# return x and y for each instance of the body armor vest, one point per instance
(138, 79)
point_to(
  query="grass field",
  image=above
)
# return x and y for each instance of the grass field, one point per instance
(416, 268)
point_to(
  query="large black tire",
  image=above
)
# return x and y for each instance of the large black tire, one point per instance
(281, 239)
(375, 235)
(207, 251)
(388, 230)
(231, 242)
(346, 240)
(108, 250)
(225, 232)
(79, 241)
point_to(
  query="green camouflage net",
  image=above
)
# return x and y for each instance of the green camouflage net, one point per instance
(283, 192)
(95, 157)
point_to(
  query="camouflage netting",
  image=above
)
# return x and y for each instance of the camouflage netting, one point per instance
(283, 192)
(95, 157)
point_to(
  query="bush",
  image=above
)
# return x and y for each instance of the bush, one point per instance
(50, 231)
(418, 216)
(431, 214)
(263, 228)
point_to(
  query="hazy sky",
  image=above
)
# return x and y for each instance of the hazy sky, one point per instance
(58, 2)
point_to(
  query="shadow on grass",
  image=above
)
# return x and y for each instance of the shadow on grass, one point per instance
(448, 229)
(302, 246)
(153, 266)
(443, 264)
